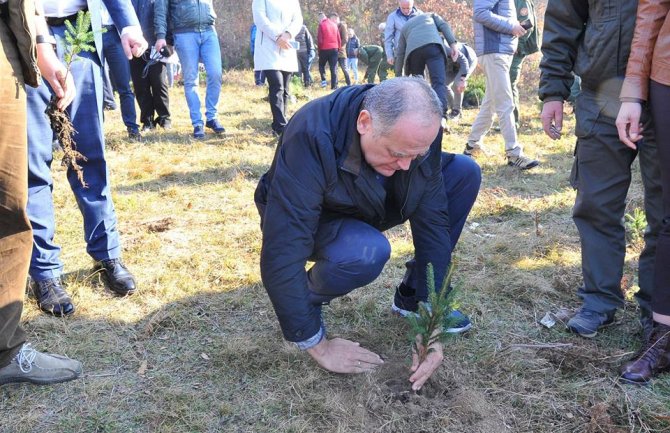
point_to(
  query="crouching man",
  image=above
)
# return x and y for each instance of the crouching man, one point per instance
(350, 166)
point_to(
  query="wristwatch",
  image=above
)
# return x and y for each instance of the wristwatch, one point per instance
(46, 39)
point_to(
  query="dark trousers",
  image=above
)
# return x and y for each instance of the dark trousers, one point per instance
(108, 100)
(259, 78)
(375, 67)
(278, 83)
(432, 57)
(659, 101)
(119, 72)
(514, 74)
(16, 239)
(303, 68)
(342, 61)
(601, 173)
(329, 56)
(349, 253)
(152, 91)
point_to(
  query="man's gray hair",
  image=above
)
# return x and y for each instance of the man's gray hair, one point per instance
(390, 99)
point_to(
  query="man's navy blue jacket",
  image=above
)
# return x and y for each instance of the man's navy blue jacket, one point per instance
(319, 174)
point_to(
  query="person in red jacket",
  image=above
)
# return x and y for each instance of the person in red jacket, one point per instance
(328, 39)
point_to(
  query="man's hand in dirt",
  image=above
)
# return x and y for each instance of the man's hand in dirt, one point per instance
(421, 372)
(552, 119)
(343, 356)
(54, 71)
(134, 44)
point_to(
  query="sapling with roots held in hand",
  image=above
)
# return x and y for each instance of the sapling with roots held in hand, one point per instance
(433, 317)
(78, 38)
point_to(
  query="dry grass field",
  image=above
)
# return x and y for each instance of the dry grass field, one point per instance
(198, 348)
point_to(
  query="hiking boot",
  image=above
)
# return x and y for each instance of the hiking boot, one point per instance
(473, 151)
(134, 134)
(39, 368)
(215, 126)
(456, 322)
(52, 297)
(117, 277)
(522, 162)
(165, 123)
(198, 132)
(455, 115)
(587, 322)
(651, 359)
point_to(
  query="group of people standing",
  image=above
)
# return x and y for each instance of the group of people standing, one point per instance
(27, 215)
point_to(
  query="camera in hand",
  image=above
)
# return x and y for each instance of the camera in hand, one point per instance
(526, 24)
(166, 51)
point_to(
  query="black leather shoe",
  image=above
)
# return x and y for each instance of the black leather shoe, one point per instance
(117, 277)
(52, 297)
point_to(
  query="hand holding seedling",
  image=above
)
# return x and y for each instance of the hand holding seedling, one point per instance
(55, 73)
(427, 328)
(422, 370)
(343, 356)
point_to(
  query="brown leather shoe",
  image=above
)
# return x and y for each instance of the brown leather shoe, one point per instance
(653, 358)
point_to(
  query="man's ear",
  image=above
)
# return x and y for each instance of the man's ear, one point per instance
(364, 122)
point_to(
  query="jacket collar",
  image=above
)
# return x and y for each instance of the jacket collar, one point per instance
(407, 17)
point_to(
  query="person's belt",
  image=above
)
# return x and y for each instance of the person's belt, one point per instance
(59, 21)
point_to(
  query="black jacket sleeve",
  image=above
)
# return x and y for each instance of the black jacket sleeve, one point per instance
(564, 26)
(290, 220)
(430, 226)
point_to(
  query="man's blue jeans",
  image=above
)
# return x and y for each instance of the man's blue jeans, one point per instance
(349, 253)
(94, 201)
(119, 73)
(194, 47)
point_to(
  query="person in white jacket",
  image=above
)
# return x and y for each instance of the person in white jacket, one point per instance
(277, 22)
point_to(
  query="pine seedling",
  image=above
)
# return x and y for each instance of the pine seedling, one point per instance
(78, 38)
(432, 317)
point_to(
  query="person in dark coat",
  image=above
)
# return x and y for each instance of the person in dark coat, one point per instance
(150, 78)
(305, 52)
(348, 167)
(529, 43)
(601, 171)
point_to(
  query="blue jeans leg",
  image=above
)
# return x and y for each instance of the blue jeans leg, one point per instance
(462, 177)
(95, 201)
(348, 254)
(119, 73)
(188, 49)
(210, 53)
